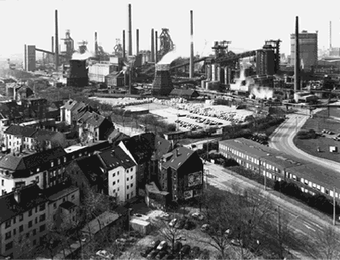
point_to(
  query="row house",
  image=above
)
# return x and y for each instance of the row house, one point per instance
(181, 174)
(26, 213)
(66, 111)
(17, 137)
(46, 168)
(278, 166)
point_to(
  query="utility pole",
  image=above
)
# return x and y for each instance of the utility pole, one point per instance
(334, 207)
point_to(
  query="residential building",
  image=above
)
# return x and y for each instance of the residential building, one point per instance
(94, 127)
(34, 107)
(66, 111)
(23, 219)
(121, 172)
(181, 174)
(46, 168)
(278, 166)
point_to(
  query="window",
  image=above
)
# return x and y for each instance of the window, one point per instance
(8, 235)
(42, 207)
(27, 234)
(113, 174)
(9, 246)
(14, 220)
(54, 205)
(14, 232)
(21, 228)
(36, 220)
(127, 196)
(42, 228)
(52, 164)
(2, 182)
(37, 179)
(72, 197)
(30, 213)
(131, 185)
(127, 179)
(34, 242)
(8, 223)
(131, 177)
(38, 169)
(21, 217)
(127, 187)
(34, 232)
(42, 217)
(30, 224)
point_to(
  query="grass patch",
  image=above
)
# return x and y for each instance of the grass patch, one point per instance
(319, 122)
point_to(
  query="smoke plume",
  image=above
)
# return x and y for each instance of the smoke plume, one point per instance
(78, 56)
(261, 92)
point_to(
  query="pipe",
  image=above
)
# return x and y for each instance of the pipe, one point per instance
(191, 66)
(297, 57)
(25, 58)
(152, 47)
(130, 31)
(123, 44)
(56, 42)
(156, 48)
(95, 45)
(137, 41)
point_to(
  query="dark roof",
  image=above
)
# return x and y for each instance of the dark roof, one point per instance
(22, 164)
(95, 120)
(30, 197)
(179, 156)
(44, 134)
(162, 147)
(58, 104)
(117, 136)
(184, 92)
(115, 157)
(67, 205)
(19, 130)
(90, 166)
(69, 104)
(85, 117)
(78, 107)
(141, 146)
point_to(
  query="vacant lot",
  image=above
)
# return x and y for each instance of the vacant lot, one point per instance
(319, 122)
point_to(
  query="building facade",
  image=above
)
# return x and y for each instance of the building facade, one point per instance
(308, 46)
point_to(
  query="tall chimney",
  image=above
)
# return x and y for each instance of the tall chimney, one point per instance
(156, 46)
(95, 44)
(25, 57)
(297, 57)
(123, 44)
(52, 45)
(130, 31)
(137, 41)
(56, 41)
(330, 35)
(191, 68)
(152, 47)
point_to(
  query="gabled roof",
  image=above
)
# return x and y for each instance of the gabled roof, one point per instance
(18, 130)
(179, 156)
(30, 197)
(85, 117)
(162, 147)
(44, 134)
(116, 157)
(140, 146)
(77, 107)
(117, 136)
(91, 167)
(95, 120)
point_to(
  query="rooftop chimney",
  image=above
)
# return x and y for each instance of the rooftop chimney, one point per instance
(17, 196)
(25, 57)
(297, 57)
(152, 47)
(56, 41)
(123, 44)
(130, 31)
(191, 66)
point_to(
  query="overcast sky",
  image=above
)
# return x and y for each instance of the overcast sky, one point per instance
(246, 23)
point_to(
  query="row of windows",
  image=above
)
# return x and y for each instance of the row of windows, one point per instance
(21, 216)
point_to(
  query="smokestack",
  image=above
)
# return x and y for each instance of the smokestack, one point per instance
(330, 35)
(25, 58)
(152, 47)
(123, 44)
(56, 41)
(137, 41)
(297, 57)
(95, 45)
(156, 48)
(130, 31)
(191, 66)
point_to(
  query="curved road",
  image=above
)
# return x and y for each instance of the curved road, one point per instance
(282, 140)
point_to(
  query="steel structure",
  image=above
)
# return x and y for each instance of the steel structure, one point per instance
(118, 49)
(69, 42)
(274, 45)
(166, 44)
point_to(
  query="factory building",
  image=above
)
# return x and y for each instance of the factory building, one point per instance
(99, 71)
(265, 62)
(308, 45)
(162, 84)
(275, 165)
(78, 74)
(30, 58)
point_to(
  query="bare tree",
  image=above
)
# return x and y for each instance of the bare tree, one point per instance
(169, 233)
(327, 244)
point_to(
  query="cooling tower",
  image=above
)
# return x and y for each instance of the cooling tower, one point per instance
(162, 84)
(78, 74)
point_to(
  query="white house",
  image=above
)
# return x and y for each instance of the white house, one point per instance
(121, 170)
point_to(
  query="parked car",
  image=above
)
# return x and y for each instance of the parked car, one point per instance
(155, 243)
(197, 215)
(104, 254)
(162, 245)
(173, 222)
(153, 254)
(161, 254)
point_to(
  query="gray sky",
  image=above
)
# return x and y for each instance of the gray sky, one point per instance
(246, 23)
